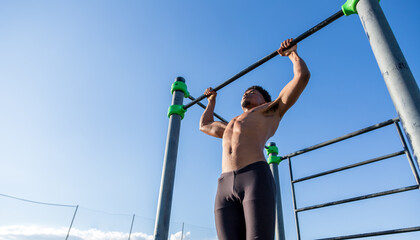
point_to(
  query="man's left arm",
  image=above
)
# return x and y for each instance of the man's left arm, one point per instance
(291, 92)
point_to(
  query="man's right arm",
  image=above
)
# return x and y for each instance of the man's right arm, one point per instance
(207, 123)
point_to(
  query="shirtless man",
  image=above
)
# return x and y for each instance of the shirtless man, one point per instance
(245, 199)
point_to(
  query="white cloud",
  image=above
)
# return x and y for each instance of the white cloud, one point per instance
(22, 232)
(33, 232)
(177, 236)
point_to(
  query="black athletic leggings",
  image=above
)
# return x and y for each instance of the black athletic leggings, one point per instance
(245, 204)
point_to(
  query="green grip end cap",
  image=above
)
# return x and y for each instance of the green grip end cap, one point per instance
(176, 109)
(349, 7)
(272, 149)
(180, 86)
(274, 159)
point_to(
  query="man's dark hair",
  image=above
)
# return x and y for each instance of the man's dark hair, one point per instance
(264, 92)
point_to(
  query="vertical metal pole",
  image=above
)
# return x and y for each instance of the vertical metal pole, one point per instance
(182, 232)
(279, 211)
(71, 224)
(168, 173)
(399, 80)
(131, 228)
(294, 198)
(407, 153)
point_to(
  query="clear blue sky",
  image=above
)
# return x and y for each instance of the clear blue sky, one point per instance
(84, 92)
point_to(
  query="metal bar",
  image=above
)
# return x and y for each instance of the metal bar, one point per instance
(182, 232)
(271, 55)
(294, 198)
(350, 166)
(168, 172)
(72, 220)
(347, 136)
(279, 211)
(410, 160)
(372, 234)
(131, 228)
(398, 190)
(402, 86)
(320, 25)
(204, 106)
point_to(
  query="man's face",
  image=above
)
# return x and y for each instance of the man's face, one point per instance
(251, 99)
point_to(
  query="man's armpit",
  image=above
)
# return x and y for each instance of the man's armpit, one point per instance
(272, 108)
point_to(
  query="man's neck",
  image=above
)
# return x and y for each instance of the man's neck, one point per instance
(248, 109)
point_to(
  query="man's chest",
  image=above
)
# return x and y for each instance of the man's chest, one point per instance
(248, 123)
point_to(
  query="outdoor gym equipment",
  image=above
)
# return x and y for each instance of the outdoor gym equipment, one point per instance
(401, 85)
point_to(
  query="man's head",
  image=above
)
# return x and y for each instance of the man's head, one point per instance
(254, 96)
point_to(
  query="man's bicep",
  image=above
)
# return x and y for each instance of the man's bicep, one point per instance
(215, 129)
(291, 92)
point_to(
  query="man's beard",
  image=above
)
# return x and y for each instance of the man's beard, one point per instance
(245, 103)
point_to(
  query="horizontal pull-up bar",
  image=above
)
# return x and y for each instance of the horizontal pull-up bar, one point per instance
(272, 55)
(204, 107)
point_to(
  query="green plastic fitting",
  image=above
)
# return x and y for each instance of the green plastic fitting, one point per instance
(349, 7)
(181, 86)
(274, 159)
(272, 149)
(176, 109)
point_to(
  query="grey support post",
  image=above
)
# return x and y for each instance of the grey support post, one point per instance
(399, 80)
(274, 161)
(175, 114)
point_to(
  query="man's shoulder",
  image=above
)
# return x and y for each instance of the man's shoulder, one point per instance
(261, 109)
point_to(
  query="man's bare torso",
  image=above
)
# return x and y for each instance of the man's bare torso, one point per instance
(245, 137)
